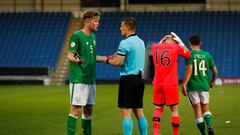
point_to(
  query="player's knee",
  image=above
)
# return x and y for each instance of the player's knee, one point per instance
(174, 110)
(139, 113)
(126, 113)
(75, 112)
(174, 113)
(87, 111)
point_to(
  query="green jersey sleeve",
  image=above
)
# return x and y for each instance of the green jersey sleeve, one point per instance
(74, 43)
(189, 61)
(211, 62)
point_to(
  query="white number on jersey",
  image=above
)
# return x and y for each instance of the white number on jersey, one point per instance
(91, 47)
(201, 67)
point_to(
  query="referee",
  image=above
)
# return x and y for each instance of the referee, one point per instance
(130, 57)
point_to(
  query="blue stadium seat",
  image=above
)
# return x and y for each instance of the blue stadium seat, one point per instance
(31, 39)
(219, 32)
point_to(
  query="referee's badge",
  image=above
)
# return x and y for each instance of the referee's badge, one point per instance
(72, 44)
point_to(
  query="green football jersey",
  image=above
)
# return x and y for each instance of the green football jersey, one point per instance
(200, 80)
(85, 47)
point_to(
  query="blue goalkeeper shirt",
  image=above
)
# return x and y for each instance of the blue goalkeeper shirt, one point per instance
(133, 48)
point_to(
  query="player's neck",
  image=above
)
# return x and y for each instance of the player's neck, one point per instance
(130, 33)
(86, 31)
(196, 48)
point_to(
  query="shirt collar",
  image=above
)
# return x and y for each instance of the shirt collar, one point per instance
(131, 35)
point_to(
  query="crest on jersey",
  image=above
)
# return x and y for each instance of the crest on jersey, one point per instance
(72, 44)
(94, 42)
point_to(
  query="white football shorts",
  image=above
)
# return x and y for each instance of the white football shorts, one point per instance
(82, 94)
(197, 97)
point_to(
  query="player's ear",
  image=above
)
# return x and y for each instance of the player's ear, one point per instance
(128, 28)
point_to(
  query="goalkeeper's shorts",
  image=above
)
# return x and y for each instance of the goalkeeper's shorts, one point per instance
(165, 95)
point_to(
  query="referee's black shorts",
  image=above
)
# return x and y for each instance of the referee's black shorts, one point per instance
(131, 89)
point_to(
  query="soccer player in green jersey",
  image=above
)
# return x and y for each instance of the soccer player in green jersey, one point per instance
(197, 83)
(82, 73)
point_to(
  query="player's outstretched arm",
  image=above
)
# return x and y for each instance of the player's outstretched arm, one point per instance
(214, 76)
(188, 73)
(115, 60)
(74, 57)
(100, 58)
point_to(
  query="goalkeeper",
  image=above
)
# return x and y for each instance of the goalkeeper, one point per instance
(165, 56)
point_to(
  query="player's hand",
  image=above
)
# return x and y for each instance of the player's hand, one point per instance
(81, 61)
(77, 60)
(184, 91)
(107, 58)
(177, 39)
(211, 86)
(114, 55)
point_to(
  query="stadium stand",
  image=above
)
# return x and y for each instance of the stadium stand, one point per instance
(32, 39)
(219, 31)
(35, 39)
(30, 46)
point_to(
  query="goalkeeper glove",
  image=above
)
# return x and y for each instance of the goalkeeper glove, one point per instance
(176, 38)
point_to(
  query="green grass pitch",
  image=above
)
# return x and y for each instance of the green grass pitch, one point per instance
(43, 110)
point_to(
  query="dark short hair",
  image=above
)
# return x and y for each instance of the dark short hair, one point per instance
(130, 21)
(90, 14)
(194, 40)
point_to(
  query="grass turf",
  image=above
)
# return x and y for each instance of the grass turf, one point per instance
(43, 110)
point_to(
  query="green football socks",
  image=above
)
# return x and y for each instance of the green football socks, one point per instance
(71, 125)
(201, 126)
(86, 127)
(208, 118)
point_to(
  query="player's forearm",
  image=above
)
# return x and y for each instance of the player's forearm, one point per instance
(115, 60)
(186, 79)
(100, 58)
(188, 74)
(214, 76)
(73, 57)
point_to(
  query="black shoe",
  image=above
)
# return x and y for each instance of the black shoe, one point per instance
(210, 131)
